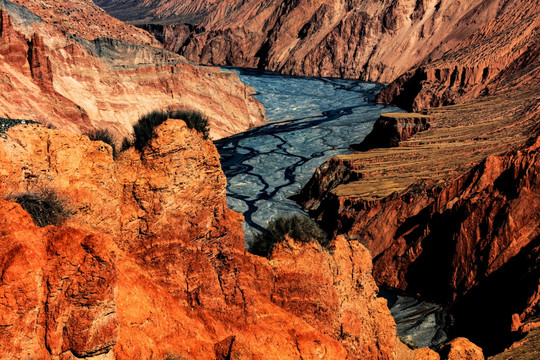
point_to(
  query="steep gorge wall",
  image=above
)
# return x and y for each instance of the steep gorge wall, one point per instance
(361, 39)
(462, 242)
(503, 54)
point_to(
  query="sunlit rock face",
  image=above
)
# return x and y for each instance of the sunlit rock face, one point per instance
(151, 263)
(360, 39)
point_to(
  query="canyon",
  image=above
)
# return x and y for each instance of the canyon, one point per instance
(442, 204)
(360, 39)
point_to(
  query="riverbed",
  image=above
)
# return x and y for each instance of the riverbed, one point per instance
(309, 120)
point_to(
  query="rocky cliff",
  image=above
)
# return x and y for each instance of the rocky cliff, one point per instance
(80, 85)
(449, 214)
(365, 39)
(151, 264)
(392, 128)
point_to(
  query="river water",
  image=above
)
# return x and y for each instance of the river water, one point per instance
(310, 120)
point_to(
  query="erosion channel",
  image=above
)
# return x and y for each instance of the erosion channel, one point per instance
(309, 120)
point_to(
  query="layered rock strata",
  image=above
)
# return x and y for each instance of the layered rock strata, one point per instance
(503, 53)
(151, 264)
(438, 226)
(80, 85)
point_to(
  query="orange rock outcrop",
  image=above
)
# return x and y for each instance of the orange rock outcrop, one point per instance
(80, 85)
(152, 263)
(461, 348)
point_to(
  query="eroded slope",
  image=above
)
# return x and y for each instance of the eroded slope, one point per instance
(365, 39)
(151, 264)
(79, 85)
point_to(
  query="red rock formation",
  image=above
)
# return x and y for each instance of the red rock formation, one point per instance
(85, 19)
(79, 86)
(58, 288)
(461, 348)
(392, 128)
(366, 39)
(169, 276)
(463, 242)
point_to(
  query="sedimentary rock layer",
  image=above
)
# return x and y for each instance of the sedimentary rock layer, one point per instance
(85, 19)
(392, 128)
(80, 85)
(440, 226)
(503, 53)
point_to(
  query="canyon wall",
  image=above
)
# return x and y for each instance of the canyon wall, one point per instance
(151, 263)
(449, 214)
(502, 54)
(361, 39)
(462, 239)
(78, 84)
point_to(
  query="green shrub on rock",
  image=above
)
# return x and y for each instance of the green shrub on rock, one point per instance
(300, 228)
(143, 130)
(194, 120)
(45, 207)
(105, 136)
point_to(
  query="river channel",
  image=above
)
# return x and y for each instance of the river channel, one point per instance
(309, 120)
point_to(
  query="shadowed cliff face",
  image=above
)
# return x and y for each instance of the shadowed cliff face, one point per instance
(364, 39)
(151, 264)
(79, 85)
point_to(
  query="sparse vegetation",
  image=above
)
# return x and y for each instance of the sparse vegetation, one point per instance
(194, 120)
(143, 130)
(105, 136)
(5, 124)
(126, 144)
(300, 228)
(46, 207)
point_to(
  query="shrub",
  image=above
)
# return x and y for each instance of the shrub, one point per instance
(105, 136)
(194, 120)
(143, 130)
(126, 144)
(45, 207)
(299, 227)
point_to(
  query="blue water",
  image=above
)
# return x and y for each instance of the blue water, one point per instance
(310, 120)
